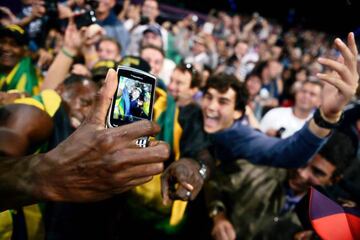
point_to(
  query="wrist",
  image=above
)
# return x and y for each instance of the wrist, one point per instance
(203, 170)
(69, 52)
(332, 118)
(329, 122)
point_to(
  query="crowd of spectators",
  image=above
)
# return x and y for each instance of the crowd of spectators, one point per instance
(223, 72)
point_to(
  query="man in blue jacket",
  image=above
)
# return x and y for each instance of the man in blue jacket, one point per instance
(224, 102)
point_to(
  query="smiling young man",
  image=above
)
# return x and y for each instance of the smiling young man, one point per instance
(223, 104)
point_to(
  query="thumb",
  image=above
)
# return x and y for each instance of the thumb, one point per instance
(103, 99)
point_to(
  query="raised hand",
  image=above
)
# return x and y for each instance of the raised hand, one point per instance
(341, 83)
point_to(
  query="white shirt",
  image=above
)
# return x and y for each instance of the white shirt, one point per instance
(277, 118)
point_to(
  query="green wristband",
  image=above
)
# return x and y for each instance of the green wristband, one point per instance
(66, 53)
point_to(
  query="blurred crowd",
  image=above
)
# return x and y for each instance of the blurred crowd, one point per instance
(54, 57)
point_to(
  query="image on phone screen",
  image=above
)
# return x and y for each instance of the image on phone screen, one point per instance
(132, 101)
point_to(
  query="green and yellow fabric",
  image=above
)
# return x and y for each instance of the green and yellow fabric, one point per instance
(166, 115)
(29, 219)
(23, 77)
(29, 224)
(119, 108)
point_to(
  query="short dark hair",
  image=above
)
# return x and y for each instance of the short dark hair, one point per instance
(113, 40)
(339, 151)
(75, 78)
(196, 78)
(315, 82)
(223, 82)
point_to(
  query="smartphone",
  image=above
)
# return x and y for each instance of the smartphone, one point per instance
(134, 97)
(85, 19)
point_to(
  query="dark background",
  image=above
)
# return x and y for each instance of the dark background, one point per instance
(332, 16)
(337, 17)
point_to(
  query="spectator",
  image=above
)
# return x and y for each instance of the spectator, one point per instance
(113, 27)
(256, 202)
(285, 121)
(109, 49)
(149, 12)
(16, 68)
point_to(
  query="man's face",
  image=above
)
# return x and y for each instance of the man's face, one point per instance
(151, 38)
(79, 98)
(154, 58)
(10, 52)
(318, 172)
(150, 9)
(241, 49)
(308, 97)
(108, 50)
(105, 6)
(198, 48)
(219, 110)
(179, 86)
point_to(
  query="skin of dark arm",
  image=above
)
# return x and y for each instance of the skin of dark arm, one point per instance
(93, 164)
(23, 128)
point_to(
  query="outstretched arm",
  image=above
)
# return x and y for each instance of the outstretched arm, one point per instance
(340, 87)
(94, 163)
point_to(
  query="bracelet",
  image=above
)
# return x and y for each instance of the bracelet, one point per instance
(202, 170)
(66, 53)
(321, 122)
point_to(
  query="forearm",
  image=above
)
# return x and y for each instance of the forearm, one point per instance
(90, 55)
(18, 181)
(291, 152)
(24, 21)
(258, 148)
(58, 70)
(331, 118)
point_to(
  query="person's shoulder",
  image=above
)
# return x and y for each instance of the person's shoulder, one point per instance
(279, 110)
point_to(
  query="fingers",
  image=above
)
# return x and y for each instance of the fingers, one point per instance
(184, 192)
(341, 69)
(131, 184)
(136, 130)
(140, 171)
(352, 44)
(165, 187)
(139, 156)
(230, 233)
(334, 81)
(104, 98)
(348, 55)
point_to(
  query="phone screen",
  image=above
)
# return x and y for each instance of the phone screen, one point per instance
(133, 100)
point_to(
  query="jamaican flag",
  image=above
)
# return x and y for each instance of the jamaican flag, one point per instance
(23, 77)
(166, 115)
(26, 222)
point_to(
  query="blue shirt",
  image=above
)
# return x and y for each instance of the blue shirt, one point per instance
(241, 141)
(115, 29)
